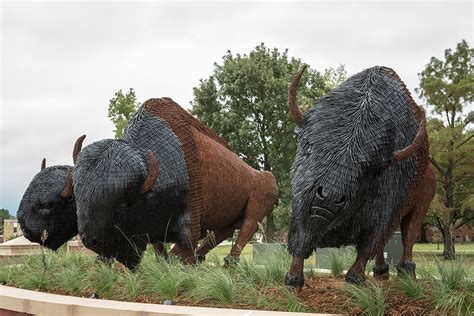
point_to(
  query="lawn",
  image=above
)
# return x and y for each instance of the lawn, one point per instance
(444, 287)
(421, 253)
(466, 248)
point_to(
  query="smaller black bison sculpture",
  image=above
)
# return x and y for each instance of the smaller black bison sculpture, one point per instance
(361, 170)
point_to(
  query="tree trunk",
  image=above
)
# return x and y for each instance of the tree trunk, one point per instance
(271, 228)
(422, 237)
(448, 236)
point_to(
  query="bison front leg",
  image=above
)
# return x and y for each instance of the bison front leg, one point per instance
(411, 223)
(295, 277)
(185, 252)
(260, 204)
(249, 227)
(209, 243)
(356, 273)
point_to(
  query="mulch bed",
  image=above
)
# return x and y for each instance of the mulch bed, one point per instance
(321, 294)
(326, 294)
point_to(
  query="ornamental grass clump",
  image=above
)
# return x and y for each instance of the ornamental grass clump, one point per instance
(128, 285)
(9, 270)
(371, 297)
(452, 290)
(101, 279)
(247, 273)
(214, 284)
(71, 278)
(453, 302)
(277, 263)
(451, 275)
(290, 302)
(339, 260)
(32, 275)
(411, 287)
(163, 277)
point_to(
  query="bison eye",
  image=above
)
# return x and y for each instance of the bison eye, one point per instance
(45, 209)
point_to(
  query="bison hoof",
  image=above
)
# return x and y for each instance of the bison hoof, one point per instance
(296, 282)
(230, 261)
(357, 279)
(381, 273)
(406, 268)
(200, 258)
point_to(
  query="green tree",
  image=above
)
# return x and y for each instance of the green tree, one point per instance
(4, 214)
(448, 87)
(121, 109)
(245, 101)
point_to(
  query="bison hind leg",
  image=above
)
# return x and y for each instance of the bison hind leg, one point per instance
(406, 269)
(411, 222)
(381, 267)
(356, 273)
(259, 204)
(214, 238)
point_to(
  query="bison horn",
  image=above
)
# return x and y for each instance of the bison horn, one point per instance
(415, 144)
(77, 148)
(152, 173)
(294, 109)
(43, 164)
(68, 189)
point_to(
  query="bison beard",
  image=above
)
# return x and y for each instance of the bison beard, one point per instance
(351, 181)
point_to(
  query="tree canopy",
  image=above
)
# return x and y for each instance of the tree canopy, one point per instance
(448, 87)
(121, 109)
(245, 101)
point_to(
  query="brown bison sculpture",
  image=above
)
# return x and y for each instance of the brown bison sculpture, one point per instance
(361, 170)
(168, 179)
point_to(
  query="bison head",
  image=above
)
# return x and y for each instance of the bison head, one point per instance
(48, 205)
(345, 143)
(111, 182)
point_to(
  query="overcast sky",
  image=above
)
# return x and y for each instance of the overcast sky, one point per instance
(61, 62)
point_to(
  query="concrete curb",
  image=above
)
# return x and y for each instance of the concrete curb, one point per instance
(40, 303)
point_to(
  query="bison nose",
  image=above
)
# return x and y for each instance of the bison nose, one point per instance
(339, 200)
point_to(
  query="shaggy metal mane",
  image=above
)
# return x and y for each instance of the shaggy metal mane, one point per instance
(346, 146)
